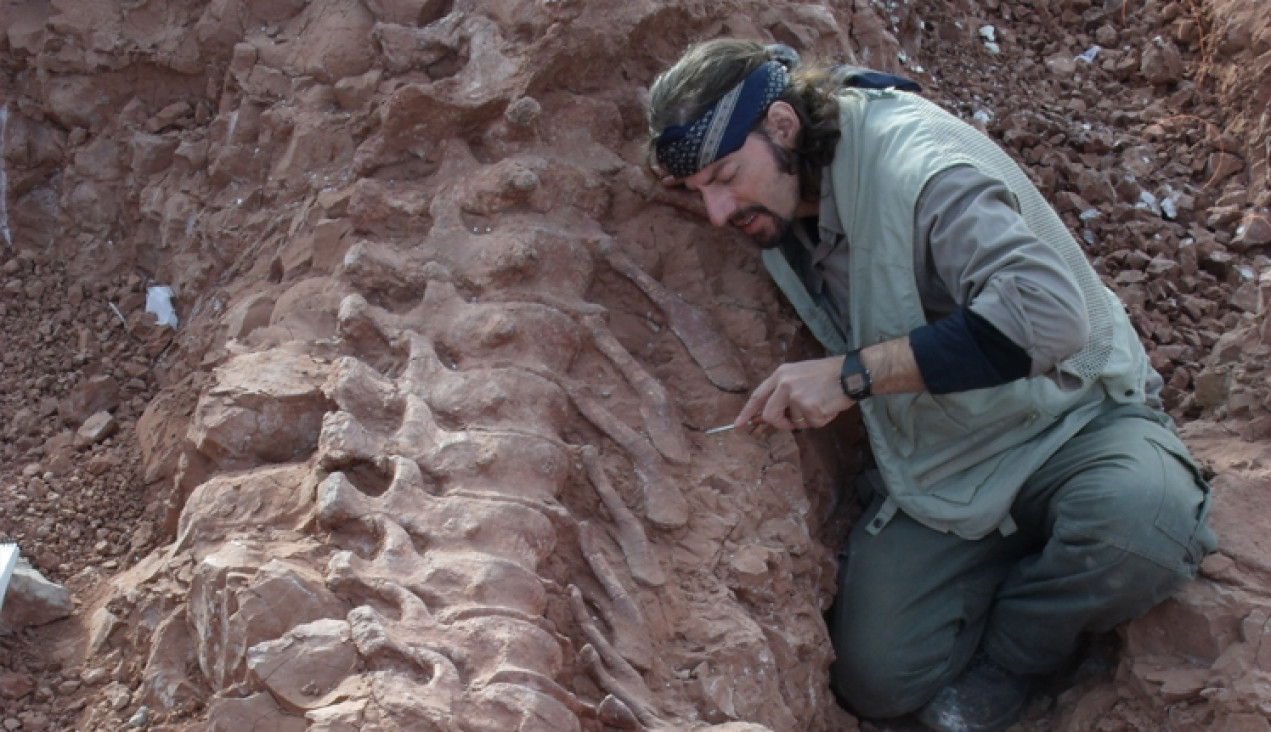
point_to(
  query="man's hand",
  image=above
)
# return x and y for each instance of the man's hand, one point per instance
(807, 393)
(664, 177)
(797, 396)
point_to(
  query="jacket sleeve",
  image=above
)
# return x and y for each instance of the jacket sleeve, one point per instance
(972, 249)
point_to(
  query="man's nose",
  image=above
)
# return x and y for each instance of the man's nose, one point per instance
(719, 205)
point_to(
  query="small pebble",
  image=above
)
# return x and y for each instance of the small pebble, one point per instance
(70, 686)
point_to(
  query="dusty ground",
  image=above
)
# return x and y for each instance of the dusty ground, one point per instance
(425, 451)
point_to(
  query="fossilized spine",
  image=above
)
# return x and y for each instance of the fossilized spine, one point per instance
(434, 486)
(469, 514)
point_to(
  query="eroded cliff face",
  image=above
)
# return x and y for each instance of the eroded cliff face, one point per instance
(448, 471)
(429, 451)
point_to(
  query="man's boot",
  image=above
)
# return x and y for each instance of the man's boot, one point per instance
(985, 698)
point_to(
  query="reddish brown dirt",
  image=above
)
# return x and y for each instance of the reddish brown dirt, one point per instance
(419, 392)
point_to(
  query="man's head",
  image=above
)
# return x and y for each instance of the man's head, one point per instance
(734, 122)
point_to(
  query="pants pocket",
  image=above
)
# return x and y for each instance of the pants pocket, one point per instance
(1184, 503)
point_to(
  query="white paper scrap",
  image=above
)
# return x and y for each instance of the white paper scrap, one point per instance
(8, 558)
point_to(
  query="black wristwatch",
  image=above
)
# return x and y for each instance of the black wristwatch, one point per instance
(854, 378)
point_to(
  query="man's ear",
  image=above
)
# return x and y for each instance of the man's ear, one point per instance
(782, 124)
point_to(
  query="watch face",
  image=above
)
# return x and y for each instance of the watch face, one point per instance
(854, 378)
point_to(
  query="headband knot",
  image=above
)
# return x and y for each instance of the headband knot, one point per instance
(685, 149)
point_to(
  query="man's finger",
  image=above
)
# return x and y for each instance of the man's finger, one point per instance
(774, 411)
(813, 417)
(755, 404)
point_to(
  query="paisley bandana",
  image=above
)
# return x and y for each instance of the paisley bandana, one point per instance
(685, 149)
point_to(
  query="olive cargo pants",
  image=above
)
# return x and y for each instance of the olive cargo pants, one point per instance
(1110, 526)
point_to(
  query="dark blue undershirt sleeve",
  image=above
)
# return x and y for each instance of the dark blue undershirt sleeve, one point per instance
(964, 352)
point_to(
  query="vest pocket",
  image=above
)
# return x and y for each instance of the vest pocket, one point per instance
(950, 439)
(964, 490)
(919, 420)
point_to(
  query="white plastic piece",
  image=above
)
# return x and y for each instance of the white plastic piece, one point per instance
(159, 302)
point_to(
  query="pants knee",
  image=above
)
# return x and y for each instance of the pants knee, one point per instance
(1130, 586)
(876, 686)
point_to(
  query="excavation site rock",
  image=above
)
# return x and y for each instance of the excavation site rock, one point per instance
(426, 447)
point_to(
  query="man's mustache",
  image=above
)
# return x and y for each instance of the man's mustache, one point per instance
(741, 215)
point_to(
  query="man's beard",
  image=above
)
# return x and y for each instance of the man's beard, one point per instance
(787, 161)
(765, 240)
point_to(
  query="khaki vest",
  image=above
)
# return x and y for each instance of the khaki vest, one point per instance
(953, 462)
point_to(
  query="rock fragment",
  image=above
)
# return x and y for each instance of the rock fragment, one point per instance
(32, 600)
(1161, 63)
(95, 429)
(1254, 231)
(96, 394)
(15, 685)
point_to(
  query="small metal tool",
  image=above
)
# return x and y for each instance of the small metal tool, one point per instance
(752, 422)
